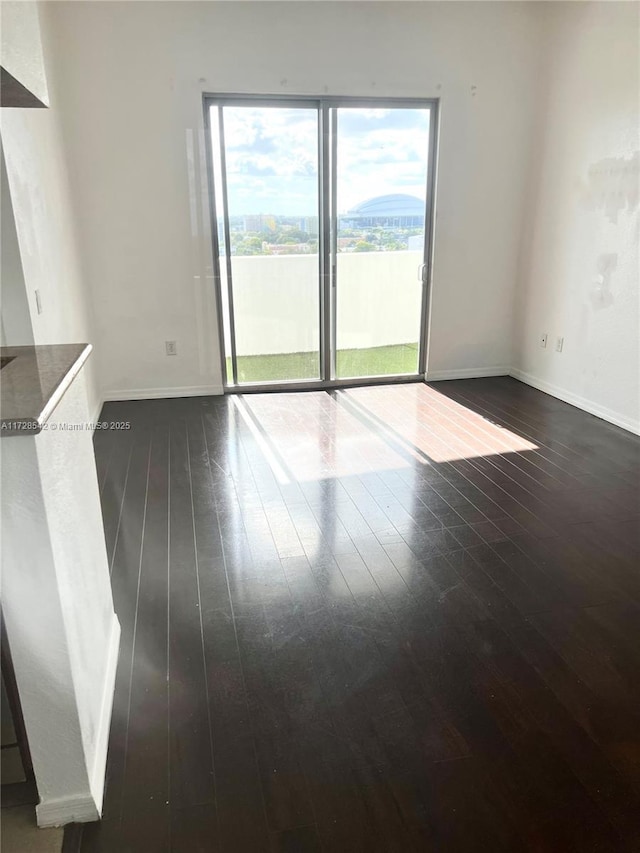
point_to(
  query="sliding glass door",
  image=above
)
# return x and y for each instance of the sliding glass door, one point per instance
(381, 166)
(322, 215)
(268, 238)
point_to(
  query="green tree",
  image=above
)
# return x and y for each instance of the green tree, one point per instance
(293, 235)
(249, 246)
(364, 246)
(392, 245)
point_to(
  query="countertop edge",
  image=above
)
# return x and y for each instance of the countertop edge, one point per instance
(29, 425)
(63, 386)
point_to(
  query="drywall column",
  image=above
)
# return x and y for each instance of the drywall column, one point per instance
(58, 608)
(14, 304)
(38, 192)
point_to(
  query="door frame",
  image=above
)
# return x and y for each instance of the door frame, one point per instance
(327, 281)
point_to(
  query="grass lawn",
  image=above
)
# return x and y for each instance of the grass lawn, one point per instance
(374, 361)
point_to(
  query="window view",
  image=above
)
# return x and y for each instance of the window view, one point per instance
(271, 158)
(266, 179)
(382, 157)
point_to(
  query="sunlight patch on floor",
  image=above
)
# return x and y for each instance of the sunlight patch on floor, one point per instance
(315, 435)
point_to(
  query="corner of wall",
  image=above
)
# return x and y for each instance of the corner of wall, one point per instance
(578, 263)
(38, 177)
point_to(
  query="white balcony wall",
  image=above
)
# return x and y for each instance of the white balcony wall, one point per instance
(275, 301)
(378, 301)
(267, 289)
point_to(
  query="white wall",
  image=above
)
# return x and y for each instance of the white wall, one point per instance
(14, 306)
(379, 299)
(276, 301)
(132, 78)
(56, 596)
(580, 262)
(39, 188)
(58, 608)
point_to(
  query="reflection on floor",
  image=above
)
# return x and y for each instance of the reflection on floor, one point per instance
(398, 618)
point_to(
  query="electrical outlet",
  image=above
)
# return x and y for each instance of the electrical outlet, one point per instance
(559, 344)
(171, 347)
(543, 340)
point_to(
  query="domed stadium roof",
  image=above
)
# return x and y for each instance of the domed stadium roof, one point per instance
(390, 205)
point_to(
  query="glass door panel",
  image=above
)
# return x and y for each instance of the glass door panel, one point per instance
(381, 164)
(321, 219)
(270, 164)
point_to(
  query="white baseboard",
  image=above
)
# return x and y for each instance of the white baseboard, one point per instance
(432, 376)
(96, 412)
(161, 393)
(98, 771)
(576, 400)
(79, 809)
(466, 373)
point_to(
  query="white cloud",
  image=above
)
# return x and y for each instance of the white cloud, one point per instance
(272, 157)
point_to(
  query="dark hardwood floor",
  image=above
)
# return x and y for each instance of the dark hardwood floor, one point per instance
(382, 619)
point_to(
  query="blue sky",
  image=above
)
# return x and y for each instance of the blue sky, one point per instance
(271, 155)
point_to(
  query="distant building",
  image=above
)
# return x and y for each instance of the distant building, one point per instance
(391, 211)
(260, 223)
(308, 224)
